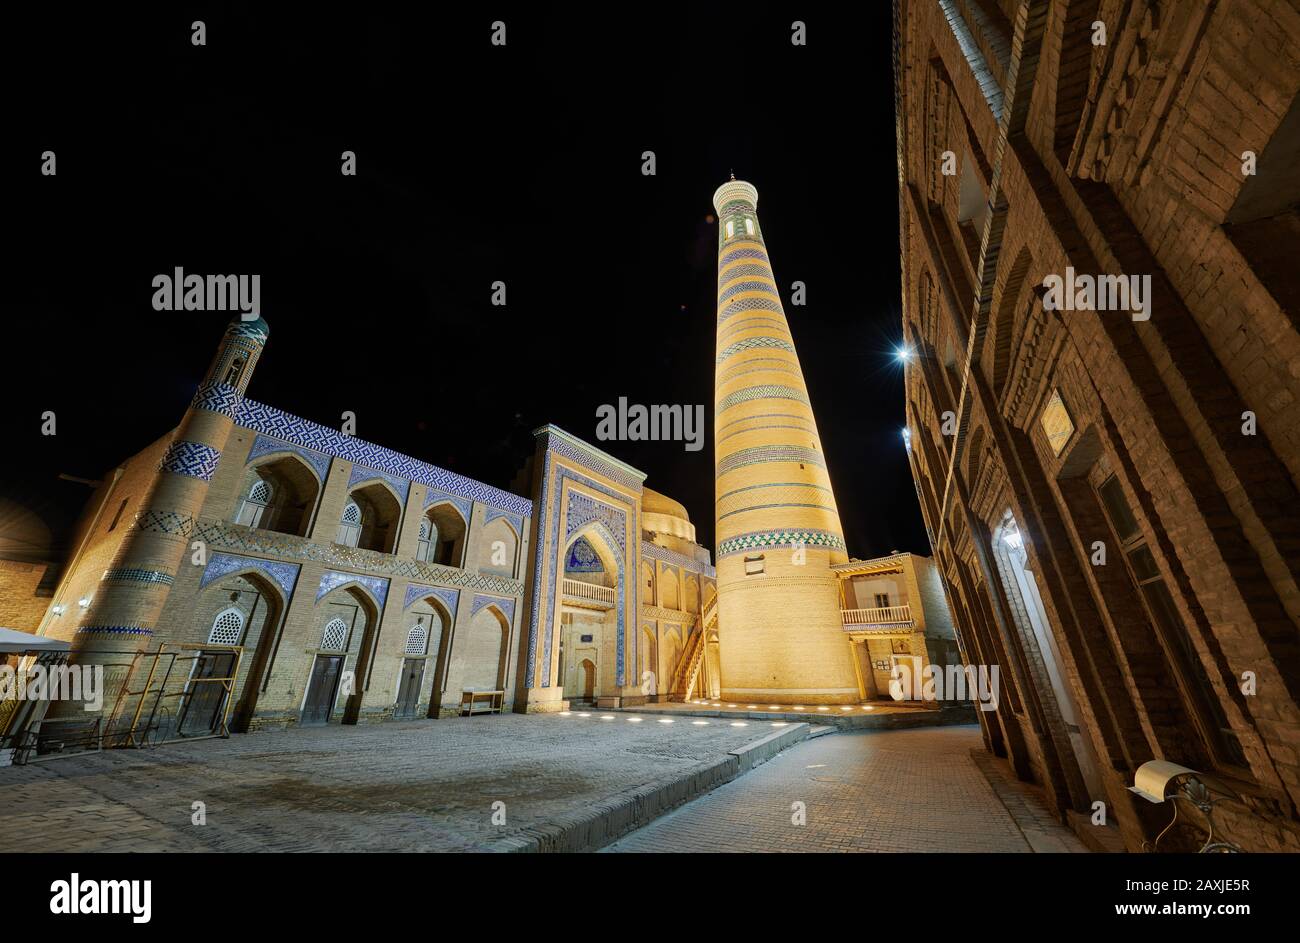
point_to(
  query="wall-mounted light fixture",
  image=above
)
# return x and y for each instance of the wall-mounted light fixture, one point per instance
(1161, 780)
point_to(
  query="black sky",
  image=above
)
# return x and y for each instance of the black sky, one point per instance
(475, 164)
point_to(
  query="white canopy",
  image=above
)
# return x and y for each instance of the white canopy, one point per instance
(13, 641)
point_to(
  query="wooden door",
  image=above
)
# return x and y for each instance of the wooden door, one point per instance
(408, 690)
(205, 700)
(323, 689)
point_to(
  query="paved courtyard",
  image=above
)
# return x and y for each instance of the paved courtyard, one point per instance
(895, 790)
(412, 786)
(431, 786)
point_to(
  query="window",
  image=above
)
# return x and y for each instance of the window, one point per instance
(350, 525)
(335, 636)
(417, 639)
(1163, 612)
(227, 628)
(753, 564)
(882, 600)
(749, 226)
(427, 542)
(118, 516)
(253, 511)
(731, 228)
(1117, 509)
(234, 371)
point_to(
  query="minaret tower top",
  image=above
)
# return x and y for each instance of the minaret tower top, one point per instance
(735, 191)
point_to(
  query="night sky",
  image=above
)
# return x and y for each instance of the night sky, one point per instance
(475, 164)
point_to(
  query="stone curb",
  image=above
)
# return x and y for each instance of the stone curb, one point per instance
(899, 721)
(603, 822)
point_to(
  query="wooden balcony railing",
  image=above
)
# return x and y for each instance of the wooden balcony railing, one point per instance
(589, 591)
(887, 616)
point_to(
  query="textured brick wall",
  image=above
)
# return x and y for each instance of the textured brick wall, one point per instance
(1115, 159)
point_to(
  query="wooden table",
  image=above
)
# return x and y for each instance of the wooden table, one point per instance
(481, 702)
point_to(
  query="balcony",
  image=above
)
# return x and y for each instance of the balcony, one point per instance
(892, 615)
(592, 595)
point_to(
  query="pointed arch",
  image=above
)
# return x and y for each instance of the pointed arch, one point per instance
(279, 492)
(443, 533)
(1003, 326)
(260, 633)
(380, 511)
(498, 549)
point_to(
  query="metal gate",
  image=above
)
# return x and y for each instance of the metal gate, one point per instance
(179, 692)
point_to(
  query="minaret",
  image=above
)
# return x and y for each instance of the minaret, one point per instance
(124, 610)
(781, 636)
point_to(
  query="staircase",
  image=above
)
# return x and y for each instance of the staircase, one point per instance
(687, 677)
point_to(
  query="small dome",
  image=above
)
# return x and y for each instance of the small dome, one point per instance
(652, 502)
(256, 329)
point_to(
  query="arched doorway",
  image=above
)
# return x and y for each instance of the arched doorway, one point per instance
(244, 609)
(345, 623)
(1020, 585)
(428, 622)
(589, 619)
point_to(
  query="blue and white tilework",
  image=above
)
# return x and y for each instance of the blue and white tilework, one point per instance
(284, 575)
(333, 579)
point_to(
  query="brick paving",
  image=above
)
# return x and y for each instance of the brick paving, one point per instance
(430, 785)
(411, 786)
(897, 790)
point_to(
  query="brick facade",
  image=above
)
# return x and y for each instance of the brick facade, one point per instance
(1046, 441)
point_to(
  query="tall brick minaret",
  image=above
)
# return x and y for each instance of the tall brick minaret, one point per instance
(781, 636)
(123, 611)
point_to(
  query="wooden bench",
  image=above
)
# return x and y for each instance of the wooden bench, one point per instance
(481, 702)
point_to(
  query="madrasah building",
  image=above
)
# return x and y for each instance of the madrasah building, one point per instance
(339, 581)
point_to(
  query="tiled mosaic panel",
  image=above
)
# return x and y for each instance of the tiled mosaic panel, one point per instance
(268, 445)
(250, 540)
(136, 630)
(275, 422)
(191, 459)
(217, 398)
(769, 453)
(333, 579)
(765, 391)
(738, 287)
(583, 510)
(748, 324)
(753, 343)
(780, 538)
(750, 269)
(507, 606)
(515, 520)
(583, 558)
(774, 496)
(750, 304)
(132, 574)
(553, 475)
(593, 462)
(746, 253)
(362, 475)
(464, 505)
(220, 565)
(415, 591)
(774, 366)
(652, 551)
